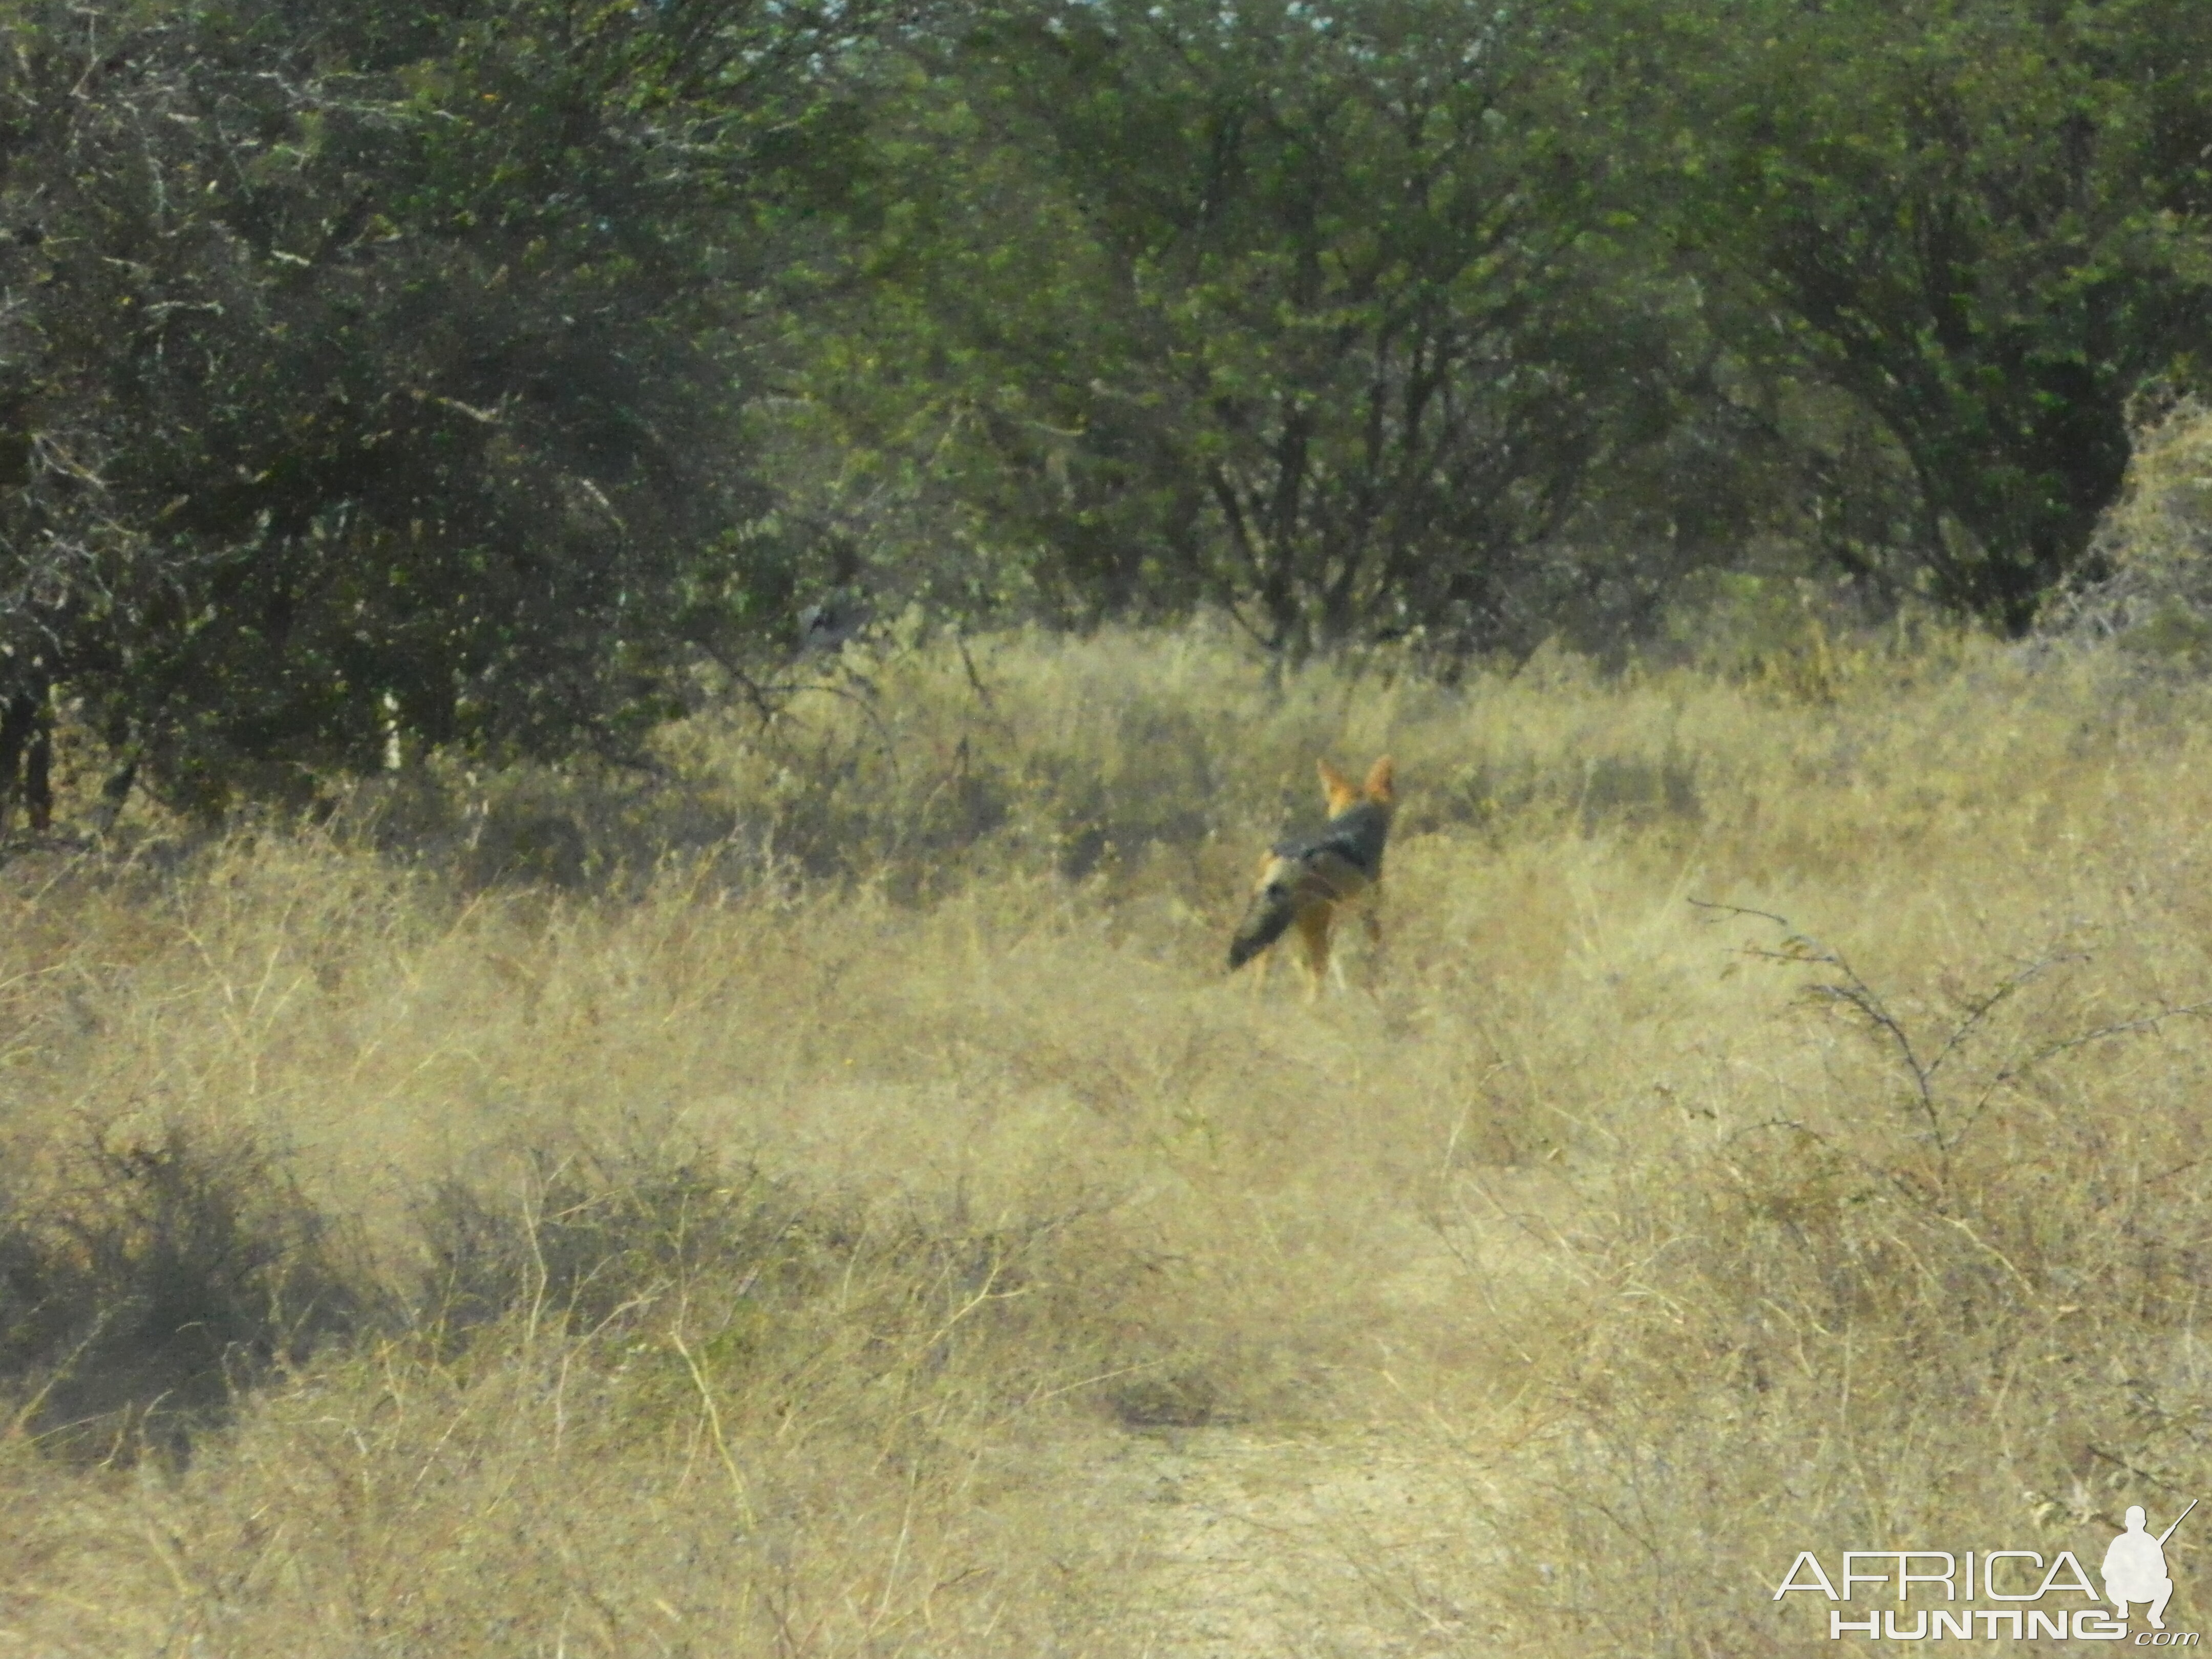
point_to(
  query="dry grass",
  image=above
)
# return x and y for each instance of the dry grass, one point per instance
(2157, 601)
(836, 1205)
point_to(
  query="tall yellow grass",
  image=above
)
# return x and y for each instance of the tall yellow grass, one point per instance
(829, 1198)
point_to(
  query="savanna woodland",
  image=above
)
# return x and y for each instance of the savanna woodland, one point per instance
(644, 652)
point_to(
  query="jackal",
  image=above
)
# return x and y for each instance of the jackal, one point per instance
(1305, 880)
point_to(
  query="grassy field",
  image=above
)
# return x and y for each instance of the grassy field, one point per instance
(830, 1200)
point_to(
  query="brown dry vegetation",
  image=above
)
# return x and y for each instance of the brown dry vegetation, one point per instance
(830, 1201)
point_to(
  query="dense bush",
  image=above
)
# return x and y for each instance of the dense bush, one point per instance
(499, 380)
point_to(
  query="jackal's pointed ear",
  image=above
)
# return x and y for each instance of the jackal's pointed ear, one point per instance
(1337, 787)
(1380, 780)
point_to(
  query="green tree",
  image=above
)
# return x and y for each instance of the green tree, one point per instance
(379, 369)
(1984, 220)
(1303, 310)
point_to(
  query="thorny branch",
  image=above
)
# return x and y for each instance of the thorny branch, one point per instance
(1849, 988)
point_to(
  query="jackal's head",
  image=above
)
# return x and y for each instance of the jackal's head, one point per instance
(1344, 795)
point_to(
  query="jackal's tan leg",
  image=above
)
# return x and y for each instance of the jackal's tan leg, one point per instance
(1313, 934)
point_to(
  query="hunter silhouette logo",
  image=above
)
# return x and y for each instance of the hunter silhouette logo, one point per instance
(2134, 1566)
(1991, 1595)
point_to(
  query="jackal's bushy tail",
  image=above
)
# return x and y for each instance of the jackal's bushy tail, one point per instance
(1269, 916)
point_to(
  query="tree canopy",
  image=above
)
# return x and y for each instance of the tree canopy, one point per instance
(367, 365)
(483, 373)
